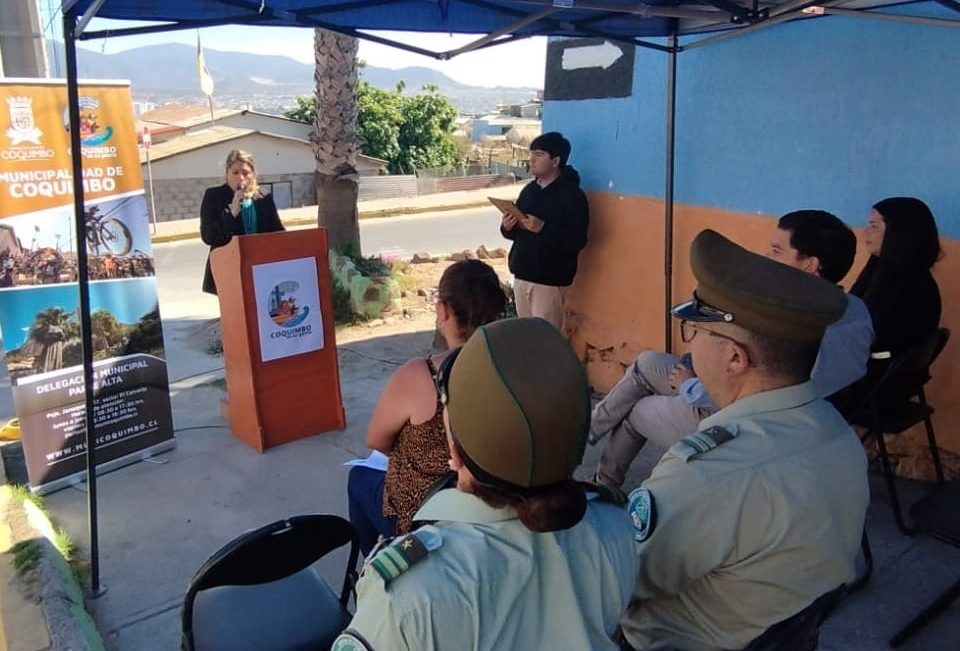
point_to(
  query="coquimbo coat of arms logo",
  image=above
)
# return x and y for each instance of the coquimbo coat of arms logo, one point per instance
(23, 127)
(288, 308)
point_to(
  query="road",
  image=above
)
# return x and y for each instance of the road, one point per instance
(438, 232)
(180, 264)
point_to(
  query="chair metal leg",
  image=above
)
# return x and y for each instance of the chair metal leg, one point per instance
(864, 577)
(892, 487)
(939, 604)
(934, 450)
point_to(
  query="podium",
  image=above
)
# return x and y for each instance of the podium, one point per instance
(279, 348)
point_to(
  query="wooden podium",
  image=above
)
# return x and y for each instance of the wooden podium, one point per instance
(279, 348)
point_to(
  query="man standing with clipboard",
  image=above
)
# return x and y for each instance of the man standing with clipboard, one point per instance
(548, 227)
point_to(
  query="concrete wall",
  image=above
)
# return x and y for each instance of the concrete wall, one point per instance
(21, 42)
(834, 113)
(180, 198)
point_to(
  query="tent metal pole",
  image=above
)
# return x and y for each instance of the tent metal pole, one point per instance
(86, 334)
(505, 31)
(741, 31)
(668, 192)
(171, 27)
(898, 18)
(949, 4)
(87, 16)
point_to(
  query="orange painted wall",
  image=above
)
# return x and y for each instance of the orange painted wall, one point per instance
(616, 304)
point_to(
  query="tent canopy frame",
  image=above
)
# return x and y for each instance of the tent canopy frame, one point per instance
(701, 22)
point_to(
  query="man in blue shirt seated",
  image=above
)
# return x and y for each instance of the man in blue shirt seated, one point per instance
(660, 397)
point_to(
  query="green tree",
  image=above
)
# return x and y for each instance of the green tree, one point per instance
(107, 331)
(379, 118)
(426, 134)
(50, 331)
(409, 132)
(304, 111)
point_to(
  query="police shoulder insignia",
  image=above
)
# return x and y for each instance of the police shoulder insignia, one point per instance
(703, 441)
(350, 640)
(404, 552)
(643, 513)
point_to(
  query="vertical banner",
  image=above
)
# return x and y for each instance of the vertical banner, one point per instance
(39, 312)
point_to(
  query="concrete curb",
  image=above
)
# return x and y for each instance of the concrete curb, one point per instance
(364, 214)
(69, 625)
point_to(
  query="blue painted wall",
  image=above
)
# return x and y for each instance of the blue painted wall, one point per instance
(618, 143)
(832, 113)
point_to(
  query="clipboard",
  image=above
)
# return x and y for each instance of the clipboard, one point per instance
(507, 206)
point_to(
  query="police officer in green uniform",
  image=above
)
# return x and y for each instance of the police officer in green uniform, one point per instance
(752, 518)
(516, 555)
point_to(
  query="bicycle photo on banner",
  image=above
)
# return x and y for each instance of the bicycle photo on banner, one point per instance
(39, 313)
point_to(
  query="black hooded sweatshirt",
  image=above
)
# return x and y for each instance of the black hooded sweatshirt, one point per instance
(550, 256)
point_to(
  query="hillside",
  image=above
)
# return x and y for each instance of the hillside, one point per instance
(168, 72)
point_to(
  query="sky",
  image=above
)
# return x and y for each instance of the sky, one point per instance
(520, 63)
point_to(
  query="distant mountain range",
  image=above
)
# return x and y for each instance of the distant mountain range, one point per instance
(168, 72)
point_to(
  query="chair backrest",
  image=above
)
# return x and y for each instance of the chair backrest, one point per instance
(272, 552)
(906, 368)
(799, 632)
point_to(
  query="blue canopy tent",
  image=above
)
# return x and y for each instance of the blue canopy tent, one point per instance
(670, 26)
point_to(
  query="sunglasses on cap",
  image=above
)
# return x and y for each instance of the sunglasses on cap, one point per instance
(442, 379)
(698, 310)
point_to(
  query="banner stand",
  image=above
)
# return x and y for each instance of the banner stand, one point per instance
(79, 479)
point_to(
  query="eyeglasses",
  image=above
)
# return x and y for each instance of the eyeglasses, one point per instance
(689, 330)
(442, 379)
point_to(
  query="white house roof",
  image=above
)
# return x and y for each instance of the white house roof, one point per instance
(219, 134)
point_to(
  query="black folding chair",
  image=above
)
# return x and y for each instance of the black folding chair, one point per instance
(880, 415)
(260, 591)
(801, 632)
(936, 514)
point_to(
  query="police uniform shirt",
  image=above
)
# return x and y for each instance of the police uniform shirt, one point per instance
(494, 584)
(747, 522)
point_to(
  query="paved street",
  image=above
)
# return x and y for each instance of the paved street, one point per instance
(438, 232)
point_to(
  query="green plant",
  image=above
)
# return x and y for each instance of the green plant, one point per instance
(367, 266)
(26, 555)
(406, 283)
(21, 493)
(343, 313)
(398, 266)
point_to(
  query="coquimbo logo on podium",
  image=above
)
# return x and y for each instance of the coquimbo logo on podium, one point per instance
(288, 308)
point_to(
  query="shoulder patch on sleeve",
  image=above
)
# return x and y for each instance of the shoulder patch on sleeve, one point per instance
(703, 441)
(404, 552)
(350, 640)
(643, 513)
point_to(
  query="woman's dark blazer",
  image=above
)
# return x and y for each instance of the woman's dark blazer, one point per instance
(218, 226)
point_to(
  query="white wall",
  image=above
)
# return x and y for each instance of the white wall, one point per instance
(273, 156)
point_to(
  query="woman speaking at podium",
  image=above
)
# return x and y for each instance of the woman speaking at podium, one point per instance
(238, 207)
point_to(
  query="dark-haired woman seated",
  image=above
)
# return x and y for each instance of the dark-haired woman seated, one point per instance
(407, 423)
(897, 284)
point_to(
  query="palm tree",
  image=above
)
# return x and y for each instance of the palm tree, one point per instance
(106, 330)
(50, 330)
(335, 136)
